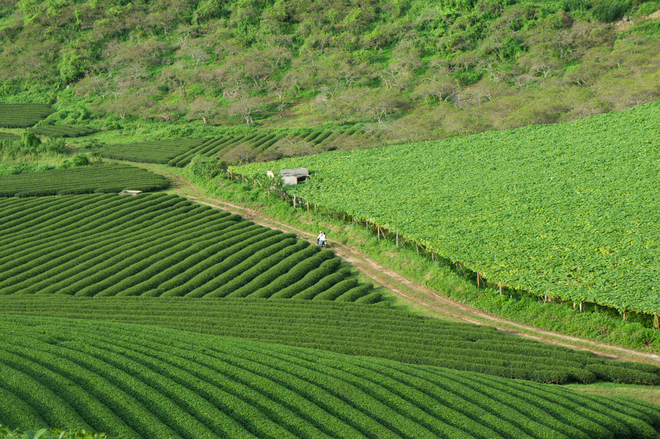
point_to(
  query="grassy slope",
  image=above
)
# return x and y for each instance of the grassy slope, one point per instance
(406, 71)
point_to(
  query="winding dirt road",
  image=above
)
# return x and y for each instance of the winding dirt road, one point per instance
(412, 294)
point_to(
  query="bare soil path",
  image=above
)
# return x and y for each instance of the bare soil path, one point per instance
(414, 295)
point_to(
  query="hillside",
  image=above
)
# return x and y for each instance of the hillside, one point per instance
(401, 71)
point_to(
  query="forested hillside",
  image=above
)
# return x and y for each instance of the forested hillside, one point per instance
(402, 70)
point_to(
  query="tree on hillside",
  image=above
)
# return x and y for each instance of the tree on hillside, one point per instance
(135, 105)
(203, 108)
(441, 88)
(279, 89)
(379, 106)
(345, 106)
(246, 108)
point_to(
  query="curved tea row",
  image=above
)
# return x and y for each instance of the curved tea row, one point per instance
(154, 383)
(159, 245)
(348, 328)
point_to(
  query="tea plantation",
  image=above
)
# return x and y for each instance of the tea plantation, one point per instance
(81, 180)
(355, 329)
(145, 382)
(155, 317)
(22, 115)
(158, 245)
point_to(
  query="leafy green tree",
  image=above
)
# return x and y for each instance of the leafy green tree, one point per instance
(71, 67)
(29, 139)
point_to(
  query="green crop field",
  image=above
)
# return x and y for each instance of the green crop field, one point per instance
(179, 152)
(9, 136)
(63, 130)
(564, 210)
(150, 382)
(22, 115)
(81, 180)
(158, 245)
(157, 151)
(209, 148)
(348, 328)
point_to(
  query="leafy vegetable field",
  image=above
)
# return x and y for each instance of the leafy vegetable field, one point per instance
(159, 245)
(567, 210)
(348, 328)
(81, 180)
(156, 383)
(22, 115)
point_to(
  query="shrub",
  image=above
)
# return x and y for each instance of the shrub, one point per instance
(80, 160)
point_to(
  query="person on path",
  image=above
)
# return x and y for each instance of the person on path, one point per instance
(321, 239)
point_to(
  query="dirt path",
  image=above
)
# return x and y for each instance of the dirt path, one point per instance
(416, 296)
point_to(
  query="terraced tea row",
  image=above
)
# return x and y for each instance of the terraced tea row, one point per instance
(158, 245)
(144, 382)
(9, 136)
(179, 152)
(348, 328)
(63, 130)
(81, 180)
(157, 151)
(22, 115)
(558, 210)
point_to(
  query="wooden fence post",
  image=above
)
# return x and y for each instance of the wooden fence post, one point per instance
(397, 239)
(500, 285)
(656, 323)
(378, 232)
(477, 280)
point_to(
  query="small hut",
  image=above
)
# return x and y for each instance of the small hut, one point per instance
(129, 192)
(294, 176)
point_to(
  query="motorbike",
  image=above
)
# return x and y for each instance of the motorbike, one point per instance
(323, 243)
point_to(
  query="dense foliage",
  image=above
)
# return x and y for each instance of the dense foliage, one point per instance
(347, 328)
(563, 210)
(81, 180)
(22, 115)
(155, 383)
(158, 245)
(410, 69)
